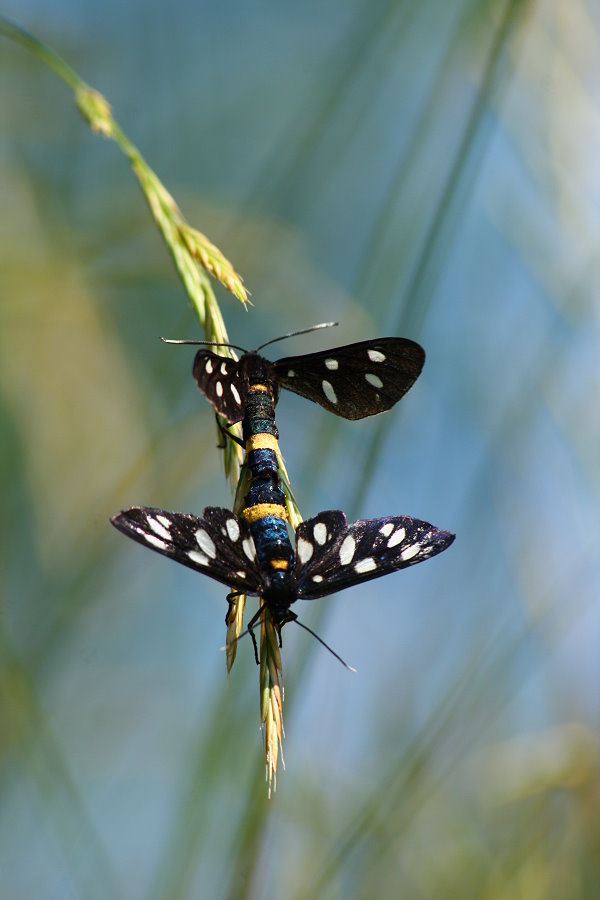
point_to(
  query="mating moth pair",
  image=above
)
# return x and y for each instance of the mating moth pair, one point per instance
(252, 552)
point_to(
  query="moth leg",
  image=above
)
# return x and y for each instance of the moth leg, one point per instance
(225, 433)
(250, 629)
(254, 644)
(290, 617)
(231, 597)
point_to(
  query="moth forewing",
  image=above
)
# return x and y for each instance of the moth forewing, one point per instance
(220, 380)
(357, 380)
(361, 551)
(218, 543)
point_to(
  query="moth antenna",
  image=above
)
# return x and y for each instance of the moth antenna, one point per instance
(243, 349)
(204, 344)
(321, 641)
(295, 333)
(245, 632)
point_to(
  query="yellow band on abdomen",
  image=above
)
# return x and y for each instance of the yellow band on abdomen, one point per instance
(279, 564)
(262, 441)
(260, 510)
(255, 388)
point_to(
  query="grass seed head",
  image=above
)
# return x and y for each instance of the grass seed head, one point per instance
(271, 698)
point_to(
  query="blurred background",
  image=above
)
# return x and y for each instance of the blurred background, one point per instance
(425, 169)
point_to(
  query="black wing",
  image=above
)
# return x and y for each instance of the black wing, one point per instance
(220, 380)
(357, 380)
(219, 544)
(332, 555)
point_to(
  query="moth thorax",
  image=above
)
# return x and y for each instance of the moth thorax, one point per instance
(280, 594)
(258, 370)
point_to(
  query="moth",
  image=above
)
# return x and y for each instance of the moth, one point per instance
(252, 553)
(353, 381)
(329, 555)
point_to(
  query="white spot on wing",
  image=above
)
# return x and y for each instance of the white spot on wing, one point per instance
(159, 529)
(365, 565)
(397, 538)
(375, 355)
(236, 394)
(249, 548)
(291, 373)
(164, 521)
(233, 529)
(329, 391)
(241, 574)
(208, 366)
(332, 364)
(347, 550)
(317, 578)
(320, 533)
(223, 368)
(410, 551)
(386, 529)
(199, 558)
(156, 542)
(205, 542)
(305, 550)
(219, 389)
(374, 380)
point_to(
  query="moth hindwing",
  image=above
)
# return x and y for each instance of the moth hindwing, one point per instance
(218, 543)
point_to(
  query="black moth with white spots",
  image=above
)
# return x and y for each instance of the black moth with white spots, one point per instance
(330, 554)
(353, 381)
